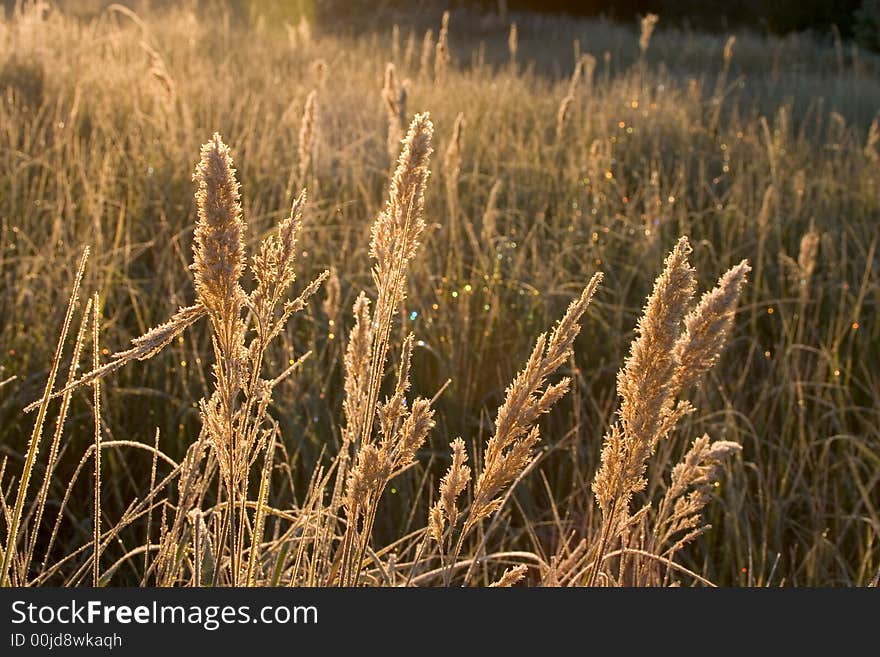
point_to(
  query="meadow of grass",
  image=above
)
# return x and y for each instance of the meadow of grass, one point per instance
(255, 440)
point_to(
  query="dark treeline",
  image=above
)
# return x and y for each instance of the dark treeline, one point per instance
(778, 16)
(852, 18)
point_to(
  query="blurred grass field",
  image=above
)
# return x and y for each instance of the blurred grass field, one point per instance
(101, 121)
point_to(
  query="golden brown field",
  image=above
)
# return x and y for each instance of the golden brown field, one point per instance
(566, 303)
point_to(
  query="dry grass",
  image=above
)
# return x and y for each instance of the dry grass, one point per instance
(285, 440)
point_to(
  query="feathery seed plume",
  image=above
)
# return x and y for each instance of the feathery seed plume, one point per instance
(454, 482)
(394, 98)
(395, 42)
(427, 53)
(218, 248)
(649, 22)
(663, 360)
(873, 141)
(678, 516)
(564, 110)
(307, 134)
(357, 367)
(452, 157)
(728, 51)
(513, 43)
(809, 250)
(510, 577)
(509, 450)
(396, 232)
(707, 327)
(441, 56)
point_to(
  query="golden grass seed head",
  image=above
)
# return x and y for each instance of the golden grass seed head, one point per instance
(562, 115)
(394, 408)
(454, 482)
(402, 98)
(498, 472)
(728, 50)
(510, 577)
(273, 265)
(395, 42)
(320, 70)
(452, 156)
(873, 141)
(399, 226)
(508, 451)
(807, 254)
(644, 382)
(394, 97)
(697, 472)
(218, 248)
(371, 471)
(513, 42)
(490, 214)
(389, 89)
(427, 52)
(589, 68)
(413, 433)
(766, 210)
(611, 478)
(648, 23)
(436, 523)
(707, 327)
(308, 134)
(441, 55)
(646, 389)
(357, 367)
(332, 293)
